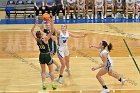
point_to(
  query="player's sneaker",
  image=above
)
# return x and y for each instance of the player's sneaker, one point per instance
(123, 81)
(54, 87)
(44, 86)
(68, 71)
(60, 80)
(105, 90)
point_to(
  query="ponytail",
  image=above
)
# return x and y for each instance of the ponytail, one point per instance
(109, 47)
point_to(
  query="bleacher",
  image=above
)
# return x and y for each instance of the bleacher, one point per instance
(25, 8)
(18, 8)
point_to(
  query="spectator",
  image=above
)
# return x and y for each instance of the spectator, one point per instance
(38, 6)
(99, 4)
(59, 6)
(50, 6)
(109, 4)
(89, 3)
(81, 6)
(137, 8)
(9, 7)
(130, 5)
(71, 4)
(120, 4)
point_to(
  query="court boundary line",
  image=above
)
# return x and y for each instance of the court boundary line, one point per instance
(131, 55)
(81, 91)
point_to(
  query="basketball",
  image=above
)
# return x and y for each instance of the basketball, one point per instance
(46, 17)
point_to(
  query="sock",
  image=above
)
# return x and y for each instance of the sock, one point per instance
(120, 79)
(104, 86)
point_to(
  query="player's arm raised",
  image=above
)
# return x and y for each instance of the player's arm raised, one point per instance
(32, 31)
(52, 31)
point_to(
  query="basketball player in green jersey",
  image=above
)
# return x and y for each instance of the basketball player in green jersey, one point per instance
(45, 55)
(52, 41)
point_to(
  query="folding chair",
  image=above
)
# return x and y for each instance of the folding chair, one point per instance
(29, 8)
(20, 8)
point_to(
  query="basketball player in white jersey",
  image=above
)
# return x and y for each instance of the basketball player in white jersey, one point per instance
(81, 6)
(99, 4)
(130, 5)
(137, 8)
(71, 4)
(63, 50)
(106, 66)
(109, 4)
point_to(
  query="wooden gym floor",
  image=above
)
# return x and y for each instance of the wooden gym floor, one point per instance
(20, 69)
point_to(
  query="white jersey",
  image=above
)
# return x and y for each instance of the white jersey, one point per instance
(62, 48)
(63, 39)
(109, 60)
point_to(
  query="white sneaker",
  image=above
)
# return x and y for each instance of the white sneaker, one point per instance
(60, 80)
(112, 15)
(105, 16)
(105, 90)
(133, 16)
(83, 17)
(92, 16)
(126, 16)
(68, 17)
(74, 17)
(68, 71)
(64, 17)
(87, 16)
(115, 16)
(102, 17)
(57, 17)
(96, 16)
(123, 81)
(137, 16)
(78, 17)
